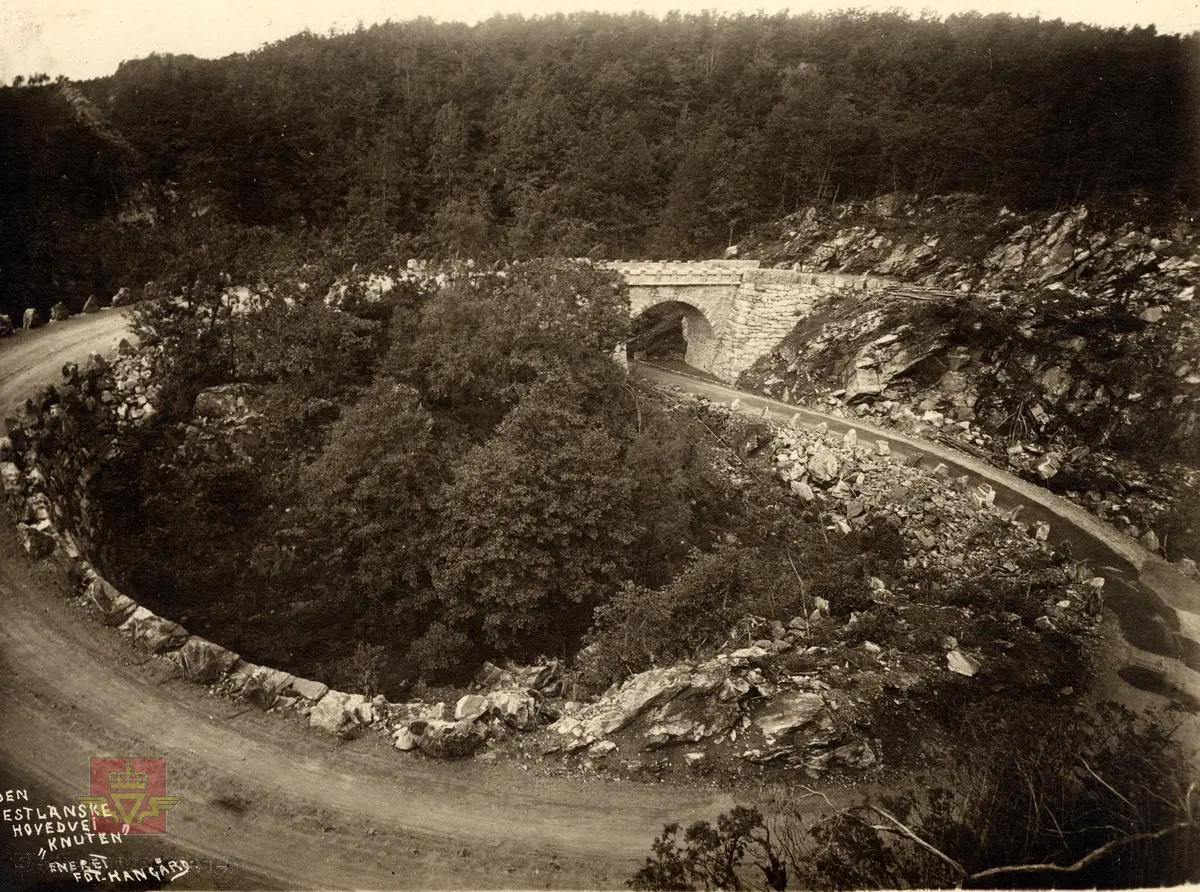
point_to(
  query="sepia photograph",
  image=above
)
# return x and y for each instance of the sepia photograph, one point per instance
(599, 445)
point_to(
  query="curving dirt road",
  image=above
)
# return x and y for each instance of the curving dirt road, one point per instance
(284, 805)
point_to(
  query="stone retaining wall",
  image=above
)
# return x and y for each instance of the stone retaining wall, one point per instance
(56, 443)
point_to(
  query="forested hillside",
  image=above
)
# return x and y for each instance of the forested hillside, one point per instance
(598, 135)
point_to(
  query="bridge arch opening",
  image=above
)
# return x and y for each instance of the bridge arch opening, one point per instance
(675, 331)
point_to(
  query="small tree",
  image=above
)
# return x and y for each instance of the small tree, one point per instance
(535, 529)
(713, 856)
(361, 670)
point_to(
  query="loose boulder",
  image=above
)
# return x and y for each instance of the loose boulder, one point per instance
(308, 689)
(856, 756)
(153, 633)
(114, 607)
(447, 740)
(470, 707)
(823, 466)
(37, 540)
(203, 661)
(259, 685)
(960, 663)
(11, 478)
(95, 366)
(516, 707)
(539, 677)
(644, 692)
(788, 712)
(59, 312)
(30, 319)
(342, 714)
(6, 326)
(91, 305)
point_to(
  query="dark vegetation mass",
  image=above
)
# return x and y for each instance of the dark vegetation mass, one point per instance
(587, 135)
(446, 475)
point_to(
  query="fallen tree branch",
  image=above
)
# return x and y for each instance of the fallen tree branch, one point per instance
(903, 830)
(1088, 859)
(1097, 854)
(1104, 783)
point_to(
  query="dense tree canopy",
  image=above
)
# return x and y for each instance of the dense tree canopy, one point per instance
(592, 134)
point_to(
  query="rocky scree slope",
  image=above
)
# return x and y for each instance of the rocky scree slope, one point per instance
(982, 605)
(1060, 346)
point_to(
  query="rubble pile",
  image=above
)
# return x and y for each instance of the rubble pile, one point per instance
(808, 693)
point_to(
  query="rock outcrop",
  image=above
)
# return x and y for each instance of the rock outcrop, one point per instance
(1054, 344)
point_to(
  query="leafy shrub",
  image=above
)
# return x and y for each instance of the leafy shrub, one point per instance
(360, 672)
(534, 530)
(711, 855)
(442, 652)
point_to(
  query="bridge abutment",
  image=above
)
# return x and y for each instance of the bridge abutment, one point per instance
(733, 311)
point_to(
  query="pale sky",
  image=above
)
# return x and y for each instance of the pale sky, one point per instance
(90, 38)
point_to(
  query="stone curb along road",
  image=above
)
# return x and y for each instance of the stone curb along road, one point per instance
(284, 803)
(593, 834)
(1151, 586)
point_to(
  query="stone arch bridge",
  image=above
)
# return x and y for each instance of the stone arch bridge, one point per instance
(733, 311)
